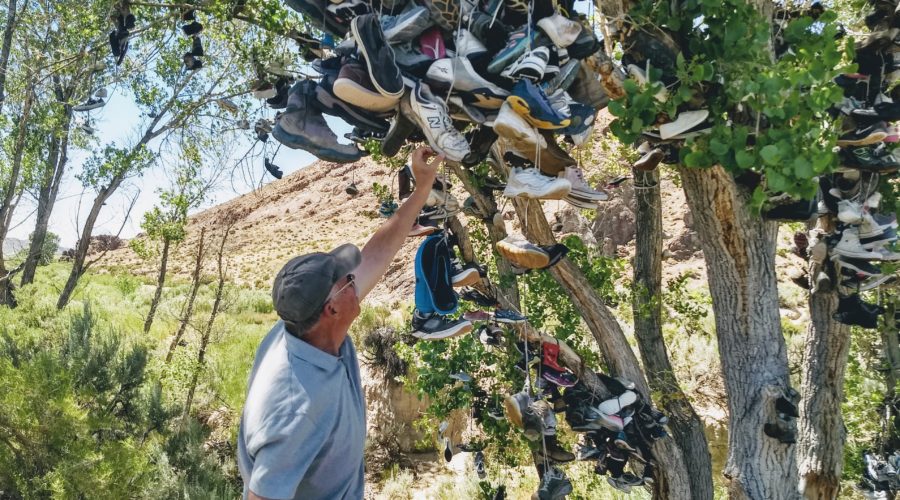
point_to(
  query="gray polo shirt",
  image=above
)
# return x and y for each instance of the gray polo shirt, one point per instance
(304, 422)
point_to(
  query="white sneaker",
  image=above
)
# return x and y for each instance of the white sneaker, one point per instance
(459, 72)
(683, 122)
(433, 118)
(580, 203)
(533, 64)
(530, 183)
(512, 126)
(467, 45)
(443, 199)
(849, 246)
(560, 101)
(580, 187)
(563, 32)
(849, 212)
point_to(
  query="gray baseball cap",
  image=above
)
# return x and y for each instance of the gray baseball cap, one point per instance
(303, 284)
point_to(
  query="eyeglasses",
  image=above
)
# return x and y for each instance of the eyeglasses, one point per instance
(351, 281)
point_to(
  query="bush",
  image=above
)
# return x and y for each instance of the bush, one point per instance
(48, 249)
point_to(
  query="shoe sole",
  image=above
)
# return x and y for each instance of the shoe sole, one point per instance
(357, 95)
(460, 329)
(362, 48)
(297, 142)
(857, 255)
(869, 286)
(850, 266)
(554, 194)
(466, 278)
(865, 141)
(330, 104)
(669, 131)
(422, 232)
(529, 259)
(513, 413)
(521, 107)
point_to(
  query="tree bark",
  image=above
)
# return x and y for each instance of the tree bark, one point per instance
(49, 189)
(188, 310)
(207, 330)
(84, 242)
(739, 251)
(160, 282)
(821, 429)
(8, 203)
(687, 428)
(672, 474)
(11, 21)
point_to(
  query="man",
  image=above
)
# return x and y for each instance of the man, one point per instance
(304, 423)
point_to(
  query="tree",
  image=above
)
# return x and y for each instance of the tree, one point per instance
(778, 139)
(48, 249)
(166, 223)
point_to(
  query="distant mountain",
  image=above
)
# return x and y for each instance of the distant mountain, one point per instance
(13, 245)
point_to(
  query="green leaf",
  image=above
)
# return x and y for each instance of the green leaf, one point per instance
(770, 154)
(803, 168)
(616, 108)
(718, 148)
(744, 159)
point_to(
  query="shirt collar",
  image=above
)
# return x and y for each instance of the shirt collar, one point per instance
(310, 354)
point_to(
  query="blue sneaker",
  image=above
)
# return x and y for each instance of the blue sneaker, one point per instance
(519, 40)
(582, 117)
(302, 126)
(508, 316)
(530, 101)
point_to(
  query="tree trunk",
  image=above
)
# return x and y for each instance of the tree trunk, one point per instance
(84, 243)
(8, 203)
(891, 352)
(160, 282)
(11, 21)
(821, 430)
(49, 189)
(739, 251)
(672, 474)
(189, 305)
(207, 330)
(687, 428)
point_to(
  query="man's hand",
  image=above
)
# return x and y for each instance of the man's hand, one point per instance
(424, 171)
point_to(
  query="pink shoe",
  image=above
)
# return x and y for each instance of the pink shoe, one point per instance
(432, 44)
(420, 230)
(477, 316)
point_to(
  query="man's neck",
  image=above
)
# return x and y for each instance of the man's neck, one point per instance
(325, 340)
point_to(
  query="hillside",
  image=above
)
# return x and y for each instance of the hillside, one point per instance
(13, 245)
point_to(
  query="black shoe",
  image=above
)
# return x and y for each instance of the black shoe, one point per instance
(402, 125)
(781, 431)
(479, 298)
(436, 327)
(787, 404)
(273, 169)
(191, 63)
(379, 56)
(556, 253)
(283, 87)
(129, 22)
(404, 182)
(328, 103)
(480, 141)
(853, 311)
(491, 32)
(192, 28)
(871, 159)
(555, 452)
(197, 47)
